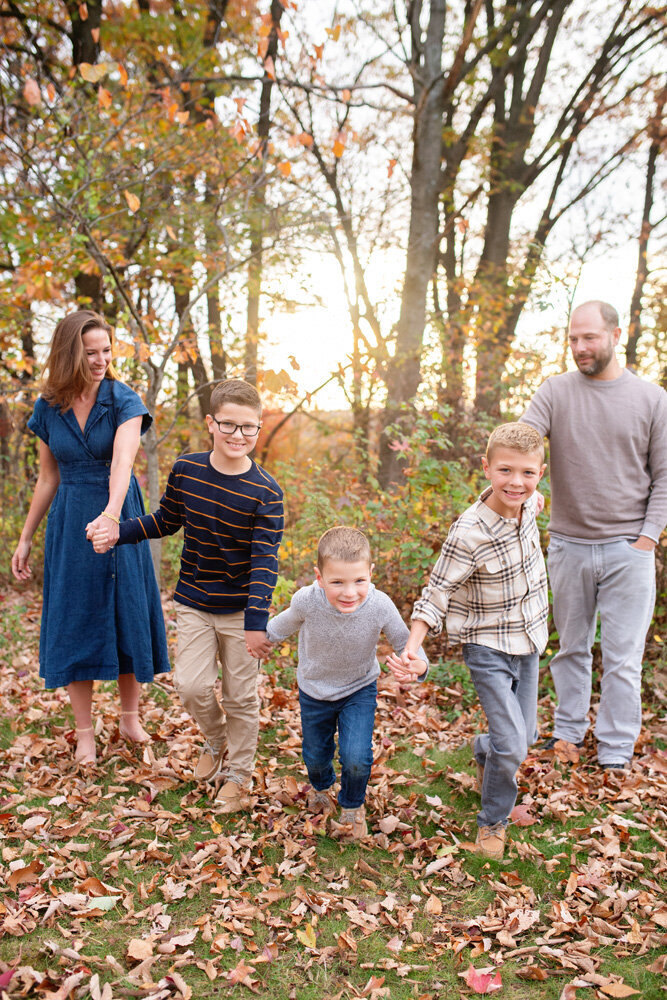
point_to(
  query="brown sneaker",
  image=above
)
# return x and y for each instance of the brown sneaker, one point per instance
(478, 766)
(232, 798)
(490, 841)
(210, 762)
(356, 818)
(321, 801)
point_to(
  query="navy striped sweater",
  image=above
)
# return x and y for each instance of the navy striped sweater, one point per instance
(232, 527)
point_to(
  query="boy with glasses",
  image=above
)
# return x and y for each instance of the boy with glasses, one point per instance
(231, 511)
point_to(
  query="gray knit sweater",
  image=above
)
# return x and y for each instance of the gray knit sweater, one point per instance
(337, 652)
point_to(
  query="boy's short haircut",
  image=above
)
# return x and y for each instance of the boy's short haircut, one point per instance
(235, 390)
(347, 544)
(518, 437)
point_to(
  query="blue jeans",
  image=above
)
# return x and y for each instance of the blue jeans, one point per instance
(506, 686)
(617, 581)
(354, 717)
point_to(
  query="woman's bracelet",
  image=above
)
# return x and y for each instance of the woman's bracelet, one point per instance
(105, 513)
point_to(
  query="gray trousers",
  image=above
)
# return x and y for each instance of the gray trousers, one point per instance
(619, 582)
(506, 686)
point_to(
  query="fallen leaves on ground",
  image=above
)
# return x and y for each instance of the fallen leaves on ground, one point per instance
(132, 881)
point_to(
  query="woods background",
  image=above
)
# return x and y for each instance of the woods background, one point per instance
(428, 181)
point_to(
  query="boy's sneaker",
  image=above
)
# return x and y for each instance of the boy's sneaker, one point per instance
(621, 766)
(321, 801)
(356, 818)
(210, 763)
(232, 798)
(490, 841)
(479, 767)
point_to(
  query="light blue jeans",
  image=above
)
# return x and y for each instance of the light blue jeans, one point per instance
(619, 582)
(506, 686)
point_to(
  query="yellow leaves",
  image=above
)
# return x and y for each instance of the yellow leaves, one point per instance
(319, 49)
(338, 148)
(275, 381)
(94, 73)
(285, 168)
(334, 33)
(307, 936)
(31, 92)
(390, 167)
(122, 72)
(300, 139)
(103, 98)
(122, 349)
(215, 828)
(133, 202)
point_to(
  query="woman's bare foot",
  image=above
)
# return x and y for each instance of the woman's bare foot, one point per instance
(86, 752)
(131, 729)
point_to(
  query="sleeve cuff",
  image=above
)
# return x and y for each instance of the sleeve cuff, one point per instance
(433, 621)
(651, 531)
(255, 621)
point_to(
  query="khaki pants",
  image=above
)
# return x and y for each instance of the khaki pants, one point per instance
(202, 638)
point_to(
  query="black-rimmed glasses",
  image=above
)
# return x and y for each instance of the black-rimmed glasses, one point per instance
(227, 427)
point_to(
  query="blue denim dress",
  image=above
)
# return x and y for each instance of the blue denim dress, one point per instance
(101, 614)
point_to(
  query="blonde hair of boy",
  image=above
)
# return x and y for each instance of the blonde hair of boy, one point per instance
(519, 437)
(235, 390)
(346, 544)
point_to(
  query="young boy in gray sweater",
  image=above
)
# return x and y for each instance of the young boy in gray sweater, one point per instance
(339, 619)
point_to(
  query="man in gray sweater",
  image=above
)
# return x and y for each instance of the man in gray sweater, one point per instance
(339, 619)
(608, 456)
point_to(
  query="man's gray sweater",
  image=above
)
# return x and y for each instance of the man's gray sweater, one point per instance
(337, 652)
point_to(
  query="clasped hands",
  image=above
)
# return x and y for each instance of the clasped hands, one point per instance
(407, 667)
(103, 533)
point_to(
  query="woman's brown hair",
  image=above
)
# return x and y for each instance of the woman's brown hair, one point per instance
(67, 372)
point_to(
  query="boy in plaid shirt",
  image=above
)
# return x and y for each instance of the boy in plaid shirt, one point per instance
(489, 586)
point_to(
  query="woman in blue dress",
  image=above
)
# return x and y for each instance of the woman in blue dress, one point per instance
(101, 616)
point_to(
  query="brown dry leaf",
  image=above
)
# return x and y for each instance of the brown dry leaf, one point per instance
(619, 990)
(140, 949)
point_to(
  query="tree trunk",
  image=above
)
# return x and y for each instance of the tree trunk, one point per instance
(657, 133)
(257, 209)
(404, 370)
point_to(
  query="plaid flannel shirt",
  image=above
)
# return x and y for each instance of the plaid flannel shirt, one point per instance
(489, 584)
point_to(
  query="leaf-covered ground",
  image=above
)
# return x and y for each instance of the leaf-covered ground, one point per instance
(123, 880)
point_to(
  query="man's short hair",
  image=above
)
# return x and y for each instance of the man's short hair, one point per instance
(347, 544)
(518, 437)
(235, 390)
(608, 313)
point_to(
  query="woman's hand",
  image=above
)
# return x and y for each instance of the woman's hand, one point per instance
(103, 533)
(20, 567)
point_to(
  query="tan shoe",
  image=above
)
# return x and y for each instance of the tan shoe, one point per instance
(210, 762)
(321, 801)
(232, 798)
(479, 767)
(490, 841)
(356, 818)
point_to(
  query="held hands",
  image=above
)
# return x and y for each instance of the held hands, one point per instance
(103, 533)
(258, 645)
(407, 667)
